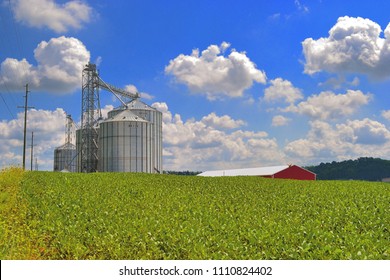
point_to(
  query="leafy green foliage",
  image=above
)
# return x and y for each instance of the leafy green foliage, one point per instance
(16, 239)
(365, 168)
(146, 216)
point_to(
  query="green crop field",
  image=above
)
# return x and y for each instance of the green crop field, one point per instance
(47, 215)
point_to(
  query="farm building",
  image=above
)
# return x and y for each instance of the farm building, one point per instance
(280, 172)
(128, 140)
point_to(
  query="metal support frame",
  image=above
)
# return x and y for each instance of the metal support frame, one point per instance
(69, 131)
(69, 136)
(91, 114)
(89, 119)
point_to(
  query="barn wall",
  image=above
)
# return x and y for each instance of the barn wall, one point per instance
(295, 172)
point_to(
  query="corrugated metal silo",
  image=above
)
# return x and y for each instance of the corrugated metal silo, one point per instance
(125, 144)
(65, 158)
(154, 117)
(115, 111)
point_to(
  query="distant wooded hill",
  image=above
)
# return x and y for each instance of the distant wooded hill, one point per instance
(186, 173)
(364, 168)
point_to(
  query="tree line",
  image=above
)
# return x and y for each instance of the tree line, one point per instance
(364, 168)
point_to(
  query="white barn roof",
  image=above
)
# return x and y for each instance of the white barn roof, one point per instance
(258, 171)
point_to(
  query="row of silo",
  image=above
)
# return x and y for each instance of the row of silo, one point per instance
(129, 140)
(125, 144)
(146, 134)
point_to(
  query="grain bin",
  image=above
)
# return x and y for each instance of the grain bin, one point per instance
(125, 143)
(65, 158)
(154, 117)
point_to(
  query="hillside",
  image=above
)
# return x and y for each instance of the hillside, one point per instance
(364, 168)
(49, 215)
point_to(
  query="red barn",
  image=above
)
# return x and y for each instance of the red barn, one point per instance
(281, 172)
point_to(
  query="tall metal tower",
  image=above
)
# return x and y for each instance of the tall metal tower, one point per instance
(65, 155)
(69, 129)
(91, 114)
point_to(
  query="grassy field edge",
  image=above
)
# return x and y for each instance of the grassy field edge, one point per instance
(47, 215)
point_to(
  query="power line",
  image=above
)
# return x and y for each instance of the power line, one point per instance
(6, 105)
(6, 42)
(9, 28)
(18, 43)
(4, 34)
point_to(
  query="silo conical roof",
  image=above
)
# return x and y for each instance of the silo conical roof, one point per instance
(137, 104)
(126, 115)
(134, 104)
(66, 146)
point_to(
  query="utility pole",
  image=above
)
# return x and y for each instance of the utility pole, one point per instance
(25, 125)
(32, 150)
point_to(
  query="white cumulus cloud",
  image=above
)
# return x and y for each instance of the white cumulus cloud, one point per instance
(225, 121)
(133, 89)
(328, 105)
(280, 120)
(207, 144)
(352, 139)
(16, 73)
(212, 74)
(354, 45)
(60, 62)
(365, 131)
(282, 90)
(49, 133)
(386, 114)
(49, 14)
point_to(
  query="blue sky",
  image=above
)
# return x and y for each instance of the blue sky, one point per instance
(240, 83)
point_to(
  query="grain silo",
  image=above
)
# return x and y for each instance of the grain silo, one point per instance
(125, 144)
(65, 155)
(154, 117)
(64, 158)
(129, 140)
